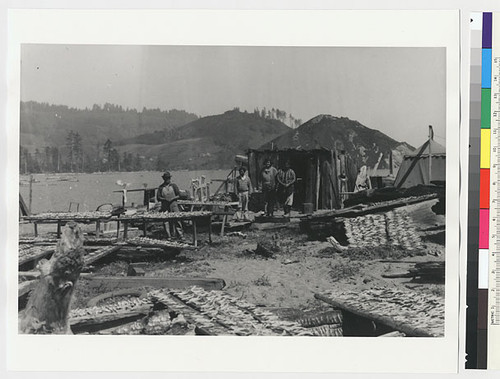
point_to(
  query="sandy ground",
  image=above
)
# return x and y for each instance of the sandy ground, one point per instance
(300, 269)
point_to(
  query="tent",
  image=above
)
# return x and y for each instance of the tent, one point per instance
(426, 165)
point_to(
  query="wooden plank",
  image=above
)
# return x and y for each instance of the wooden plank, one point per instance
(318, 177)
(43, 254)
(195, 235)
(26, 287)
(102, 321)
(359, 210)
(393, 334)
(99, 254)
(224, 219)
(382, 319)
(112, 283)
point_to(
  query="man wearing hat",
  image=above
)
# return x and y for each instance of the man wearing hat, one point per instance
(168, 193)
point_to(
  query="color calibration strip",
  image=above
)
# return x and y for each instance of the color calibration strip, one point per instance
(484, 193)
(479, 189)
(493, 266)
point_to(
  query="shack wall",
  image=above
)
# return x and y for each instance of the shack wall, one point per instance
(307, 165)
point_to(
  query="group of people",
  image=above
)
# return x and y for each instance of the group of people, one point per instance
(275, 184)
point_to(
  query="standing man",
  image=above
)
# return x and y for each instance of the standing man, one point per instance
(168, 193)
(286, 180)
(268, 180)
(244, 189)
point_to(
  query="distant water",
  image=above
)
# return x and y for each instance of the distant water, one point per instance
(92, 190)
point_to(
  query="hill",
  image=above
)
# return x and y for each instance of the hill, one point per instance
(45, 125)
(363, 144)
(207, 143)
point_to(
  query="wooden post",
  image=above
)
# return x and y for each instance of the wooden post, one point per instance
(431, 136)
(31, 192)
(224, 218)
(332, 161)
(210, 229)
(317, 182)
(125, 229)
(195, 235)
(391, 168)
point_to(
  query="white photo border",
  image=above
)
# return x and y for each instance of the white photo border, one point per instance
(415, 28)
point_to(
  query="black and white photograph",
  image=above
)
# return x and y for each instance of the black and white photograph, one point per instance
(224, 190)
(236, 193)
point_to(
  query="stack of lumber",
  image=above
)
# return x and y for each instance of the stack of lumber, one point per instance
(152, 242)
(37, 240)
(207, 203)
(168, 215)
(68, 216)
(325, 224)
(413, 313)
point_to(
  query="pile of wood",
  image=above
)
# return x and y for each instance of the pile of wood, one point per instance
(413, 313)
(145, 241)
(169, 215)
(68, 216)
(37, 240)
(325, 224)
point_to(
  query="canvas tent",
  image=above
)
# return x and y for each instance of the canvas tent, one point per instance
(425, 165)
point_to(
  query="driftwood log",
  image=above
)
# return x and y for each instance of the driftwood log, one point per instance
(48, 306)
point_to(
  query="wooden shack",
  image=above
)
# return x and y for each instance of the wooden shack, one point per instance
(323, 176)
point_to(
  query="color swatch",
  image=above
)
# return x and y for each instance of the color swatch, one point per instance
(479, 190)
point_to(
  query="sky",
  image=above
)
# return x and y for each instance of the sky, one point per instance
(399, 91)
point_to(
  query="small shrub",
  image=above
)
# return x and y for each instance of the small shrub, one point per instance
(262, 281)
(341, 271)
